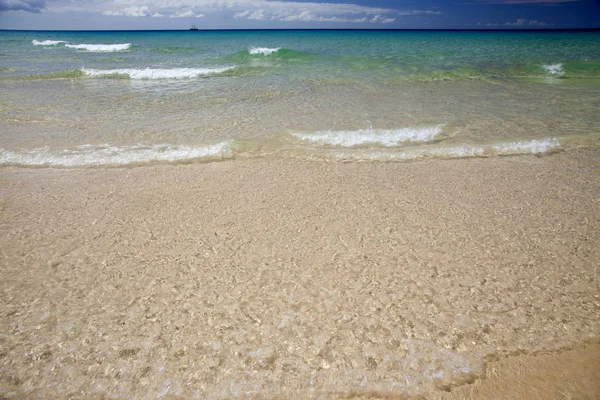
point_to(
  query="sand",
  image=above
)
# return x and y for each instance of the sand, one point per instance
(283, 278)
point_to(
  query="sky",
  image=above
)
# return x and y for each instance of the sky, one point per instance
(305, 14)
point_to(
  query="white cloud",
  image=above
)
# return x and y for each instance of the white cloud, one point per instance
(382, 20)
(304, 11)
(307, 16)
(258, 15)
(526, 22)
(519, 23)
(417, 12)
(186, 14)
(303, 16)
(133, 11)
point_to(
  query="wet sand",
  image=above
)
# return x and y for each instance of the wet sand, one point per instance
(280, 278)
(569, 374)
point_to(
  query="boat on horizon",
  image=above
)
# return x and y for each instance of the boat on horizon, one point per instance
(193, 28)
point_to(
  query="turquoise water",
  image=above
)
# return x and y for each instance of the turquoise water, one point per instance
(106, 98)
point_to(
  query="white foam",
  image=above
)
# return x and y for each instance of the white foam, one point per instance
(97, 155)
(462, 151)
(554, 69)
(100, 48)
(527, 147)
(151, 73)
(385, 137)
(47, 42)
(265, 51)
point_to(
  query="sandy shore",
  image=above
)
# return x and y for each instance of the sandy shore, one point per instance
(279, 278)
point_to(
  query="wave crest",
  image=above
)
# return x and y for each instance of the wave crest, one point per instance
(462, 151)
(150, 73)
(554, 69)
(384, 137)
(264, 51)
(47, 42)
(100, 48)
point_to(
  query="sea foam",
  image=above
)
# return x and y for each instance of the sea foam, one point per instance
(100, 48)
(461, 151)
(527, 147)
(99, 155)
(384, 137)
(47, 42)
(265, 51)
(151, 73)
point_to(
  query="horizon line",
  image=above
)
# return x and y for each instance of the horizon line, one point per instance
(312, 29)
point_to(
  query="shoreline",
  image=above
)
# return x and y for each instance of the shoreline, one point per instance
(567, 373)
(292, 278)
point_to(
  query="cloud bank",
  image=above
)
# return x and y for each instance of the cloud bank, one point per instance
(519, 23)
(250, 10)
(34, 6)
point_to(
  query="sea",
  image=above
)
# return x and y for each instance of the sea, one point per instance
(133, 98)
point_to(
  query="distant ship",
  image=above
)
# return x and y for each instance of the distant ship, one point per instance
(193, 28)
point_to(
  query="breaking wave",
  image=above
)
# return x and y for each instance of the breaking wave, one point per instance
(384, 137)
(47, 42)
(265, 51)
(554, 69)
(106, 155)
(151, 73)
(100, 48)
(269, 57)
(94, 48)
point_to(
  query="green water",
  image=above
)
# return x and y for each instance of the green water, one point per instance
(98, 98)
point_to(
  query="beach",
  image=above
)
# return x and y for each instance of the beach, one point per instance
(283, 277)
(299, 214)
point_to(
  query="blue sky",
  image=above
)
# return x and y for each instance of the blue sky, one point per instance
(306, 14)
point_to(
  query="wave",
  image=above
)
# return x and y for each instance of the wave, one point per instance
(384, 137)
(106, 155)
(100, 48)
(150, 73)
(554, 69)
(265, 51)
(47, 42)
(526, 147)
(463, 151)
(129, 73)
(589, 69)
(265, 56)
(94, 48)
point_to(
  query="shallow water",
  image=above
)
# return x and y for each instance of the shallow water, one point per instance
(115, 98)
(293, 279)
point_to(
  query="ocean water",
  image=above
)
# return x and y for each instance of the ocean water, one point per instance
(70, 99)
